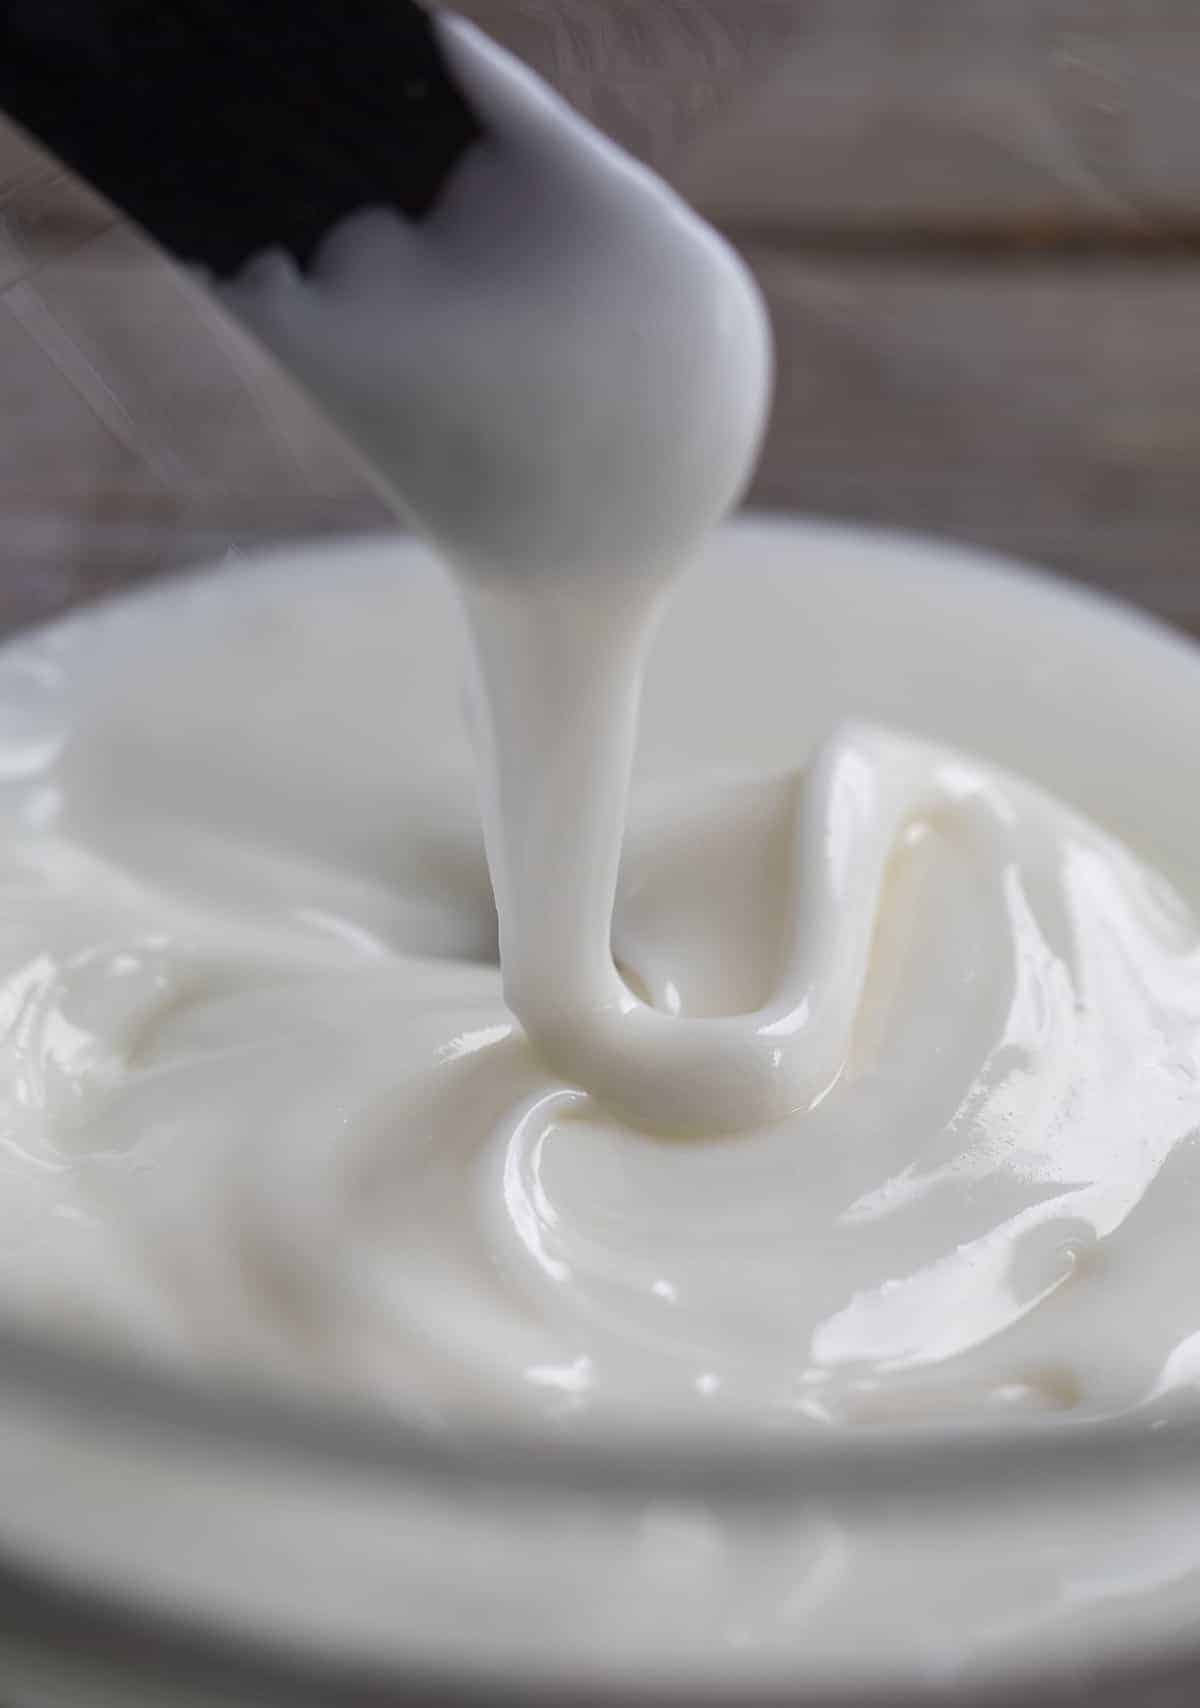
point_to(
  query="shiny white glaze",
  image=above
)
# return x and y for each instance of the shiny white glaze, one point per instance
(265, 1107)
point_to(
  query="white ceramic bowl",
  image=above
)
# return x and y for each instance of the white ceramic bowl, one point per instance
(180, 1541)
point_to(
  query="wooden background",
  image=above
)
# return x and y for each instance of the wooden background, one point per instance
(977, 222)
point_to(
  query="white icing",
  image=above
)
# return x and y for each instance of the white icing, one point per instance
(265, 1106)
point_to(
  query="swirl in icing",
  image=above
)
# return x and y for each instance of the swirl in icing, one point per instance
(265, 1106)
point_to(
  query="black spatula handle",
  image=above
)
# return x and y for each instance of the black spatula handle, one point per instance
(226, 127)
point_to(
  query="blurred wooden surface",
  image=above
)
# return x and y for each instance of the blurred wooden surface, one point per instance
(977, 223)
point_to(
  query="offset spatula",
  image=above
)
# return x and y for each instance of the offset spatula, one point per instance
(230, 127)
